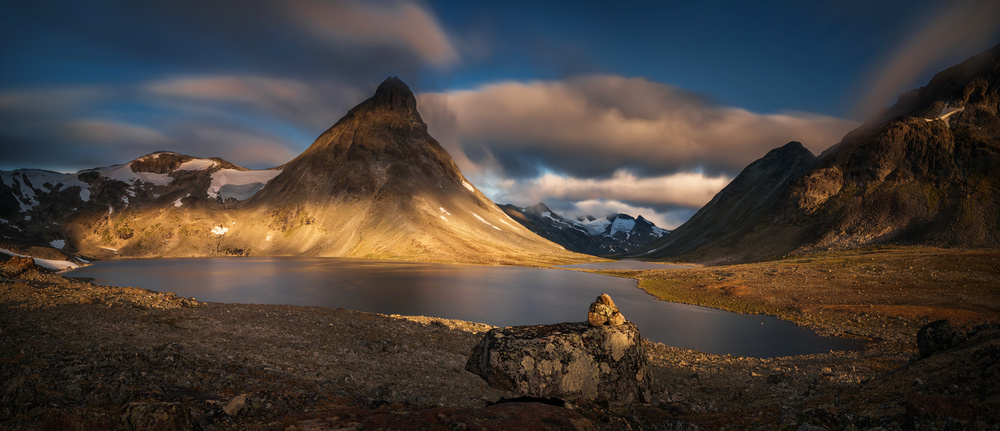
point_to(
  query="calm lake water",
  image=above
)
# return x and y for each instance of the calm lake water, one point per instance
(501, 296)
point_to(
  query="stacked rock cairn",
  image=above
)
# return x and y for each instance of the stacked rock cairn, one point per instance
(604, 312)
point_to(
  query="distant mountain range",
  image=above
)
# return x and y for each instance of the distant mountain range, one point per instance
(611, 235)
(925, 171)
(374, 185)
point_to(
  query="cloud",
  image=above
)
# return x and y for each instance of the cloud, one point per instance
(669, 219)
(953, 31)
(250, 148)
(45, 127)
(595, 125)
(111, 133)
(49, 100)
(311, 104)
(667, 200)
(685, 189)
(398, 23)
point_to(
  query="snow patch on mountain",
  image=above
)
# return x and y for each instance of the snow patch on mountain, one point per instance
(594, 227)
(54, 265)
(57, 243)
(197, 165)
(484, 221)
(28, 182)
(468, 186)
(125, 174)
(240, 185)
(508, 224)
(621, 225)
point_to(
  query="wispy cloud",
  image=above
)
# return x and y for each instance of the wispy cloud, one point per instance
(398, 23)
(953, 32)
(48, 100)
(310, 103)
(231, 117)
(111, 133)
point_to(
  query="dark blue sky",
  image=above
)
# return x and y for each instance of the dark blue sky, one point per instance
(575, 102)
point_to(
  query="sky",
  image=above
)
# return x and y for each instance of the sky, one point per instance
(594, 107)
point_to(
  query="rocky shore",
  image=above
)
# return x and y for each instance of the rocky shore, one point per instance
(74, 355)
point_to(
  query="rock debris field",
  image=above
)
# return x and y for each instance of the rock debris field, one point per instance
(74, 355)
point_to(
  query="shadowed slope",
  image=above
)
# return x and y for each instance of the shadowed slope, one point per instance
(927, 171)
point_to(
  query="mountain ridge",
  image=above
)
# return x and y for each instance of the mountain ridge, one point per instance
(611, 235)
(922, 172)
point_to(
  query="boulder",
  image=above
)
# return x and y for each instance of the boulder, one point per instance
(16, 266)
(565, 360)
(935, 337)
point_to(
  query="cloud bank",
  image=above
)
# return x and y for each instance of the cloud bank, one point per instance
(596, 125)
(619, 144)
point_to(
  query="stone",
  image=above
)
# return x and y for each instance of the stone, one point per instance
(167, 416)
(935, 337)
(16, 266)
(236, 405)
(604, 312)
(565, 360)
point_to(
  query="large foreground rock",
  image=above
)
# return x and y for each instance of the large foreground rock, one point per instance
(565, 360)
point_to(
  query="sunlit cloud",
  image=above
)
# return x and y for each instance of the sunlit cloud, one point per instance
(400, 23)
(686, 189)
(955, 30)
(594, 125)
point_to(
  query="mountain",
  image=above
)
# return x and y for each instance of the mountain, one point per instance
(608, 236)
(727, 227)
(374, 185)
(925, 171)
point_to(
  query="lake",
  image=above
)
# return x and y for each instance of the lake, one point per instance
(502, 296)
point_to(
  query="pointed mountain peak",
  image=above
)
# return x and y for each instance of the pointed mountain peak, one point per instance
(539, 208)
(393, 93)
(793, 148)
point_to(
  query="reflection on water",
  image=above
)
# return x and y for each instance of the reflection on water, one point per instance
(626, 264)
(501, 296)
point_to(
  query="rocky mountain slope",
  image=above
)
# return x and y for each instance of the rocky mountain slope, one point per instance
(923, 172)
(607, 236)
(374, 185)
